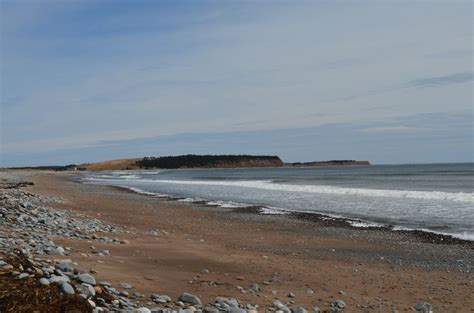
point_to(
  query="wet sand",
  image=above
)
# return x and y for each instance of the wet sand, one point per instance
(171, 243)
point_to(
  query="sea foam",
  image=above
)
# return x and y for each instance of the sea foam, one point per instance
(324, 189)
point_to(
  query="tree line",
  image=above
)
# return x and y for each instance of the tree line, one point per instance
(193, 160)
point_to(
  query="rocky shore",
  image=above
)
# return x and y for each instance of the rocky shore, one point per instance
(55, 257)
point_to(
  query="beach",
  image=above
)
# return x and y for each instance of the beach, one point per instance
(170, 247)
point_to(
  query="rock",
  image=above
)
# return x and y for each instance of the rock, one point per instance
(125, 286)
(92, 303)
(86, 278)
(205, 271)
(299, 310)
(423, 307)
(160, 298)
(190, 298)
(23, 275)
(66, 288)
(316, 309)
(98, 290)
(44, 281)
(210, 309)
(280, 306)
(143, 310)
(291, 295)
(338, 305)
(59, 279)
(66, 266)
(255, 288)
(342, 293)
(57, 251)
(124, 293)
(86, 289)
(232, 302)
(105, 283)
(124, 241)
(236, 310)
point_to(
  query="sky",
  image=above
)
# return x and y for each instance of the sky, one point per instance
(385, 81)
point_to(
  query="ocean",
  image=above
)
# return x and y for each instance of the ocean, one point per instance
(432, 197)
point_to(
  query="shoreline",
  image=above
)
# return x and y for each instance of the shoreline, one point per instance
(319, 217)
(212, 252)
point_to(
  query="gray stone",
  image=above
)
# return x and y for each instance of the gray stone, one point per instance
(210, 309)
(236, 310)
(316, 309)
(66, 288)
(190, 298)
(86, 278)
(59, 279)
(299, 310)
(338, 305)
(105, 283)
(232, 302)
(125, 286)
(160, 298)
(57, 251)
(44, 281)
(423, 307)
(65, 266)
(124, 293)
(86, 289)
(280, 306)
(143, 310)
(23, 275)
(255, 288)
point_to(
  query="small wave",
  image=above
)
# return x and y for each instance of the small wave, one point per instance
(228, 204)
(464, 235)
(323, 189)
(273, 211)
(137, 190)
(363, 224)
(129, 176)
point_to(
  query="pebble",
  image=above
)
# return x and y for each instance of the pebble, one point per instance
(255, 288)
(423, 307)
(316, 309)
(338, 305)
(44, 281)
(280, 306)
(190, 298)
(67, 288)
(23, 275)
(86, 278)
(125, 285)
(299, 310)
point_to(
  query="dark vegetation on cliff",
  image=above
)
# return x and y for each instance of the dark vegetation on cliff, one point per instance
(192, 160)
(48, 167)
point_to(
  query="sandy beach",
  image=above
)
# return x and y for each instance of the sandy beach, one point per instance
(174, 247)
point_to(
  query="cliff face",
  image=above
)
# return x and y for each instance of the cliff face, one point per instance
(330, 163)
(210, 161)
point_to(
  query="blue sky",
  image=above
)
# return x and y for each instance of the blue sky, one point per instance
(387, 81)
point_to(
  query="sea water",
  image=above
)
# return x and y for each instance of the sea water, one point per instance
(431, 197)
